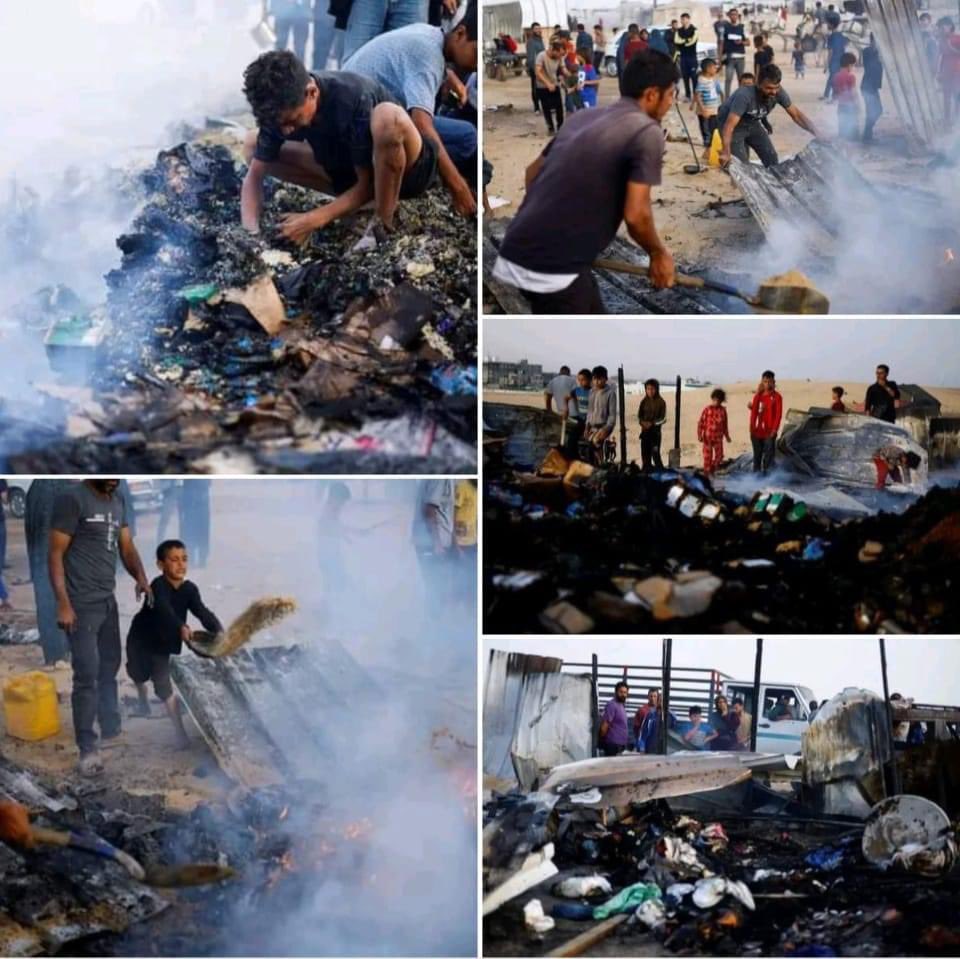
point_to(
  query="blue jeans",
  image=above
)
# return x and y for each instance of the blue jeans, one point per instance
(324, 32)
(459, 139)
(370, 18)
(300, 30)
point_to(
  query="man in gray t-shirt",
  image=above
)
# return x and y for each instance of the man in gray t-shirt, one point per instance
(741, 118)
(411, 62)
(558, 393)
(89, 531)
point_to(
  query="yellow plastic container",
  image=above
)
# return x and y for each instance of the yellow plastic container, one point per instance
(716, 148)
(30, 706)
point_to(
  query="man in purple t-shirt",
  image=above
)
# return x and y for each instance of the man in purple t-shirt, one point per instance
(613, 725)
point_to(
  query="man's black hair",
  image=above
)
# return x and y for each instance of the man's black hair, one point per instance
(646, 70)
(600, 371)
(884, 367)
(653, 689)
(632, 26)
(534, 24)
(580, 26)
(622, 683)
(275, 82)
(585, 372)
(913, 460)
(166, 546)
(737, 701)
(654, 383)
(770, 72)
(565, 370)
(695, 709)
(719, 394)
(768, 373)
(746, 76)
(682, 15)
(470, 20)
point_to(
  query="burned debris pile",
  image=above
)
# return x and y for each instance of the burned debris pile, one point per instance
(741, 883)
(574, 549)
(219, 349)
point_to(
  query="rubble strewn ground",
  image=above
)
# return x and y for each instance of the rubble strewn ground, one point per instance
(609, 553)
(365, 362)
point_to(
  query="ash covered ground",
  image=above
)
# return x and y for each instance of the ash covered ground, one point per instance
(371, 368)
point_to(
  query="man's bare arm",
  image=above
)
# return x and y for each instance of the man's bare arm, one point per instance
(58, 545)
(251, 195)
(638, 215)
(464, 202)
(802, 120)
(726, 135)
(132, 563)
(533, 171)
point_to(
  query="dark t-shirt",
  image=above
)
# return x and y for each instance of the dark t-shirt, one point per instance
(158, 627)
(730, 48)
(880, 403)
(93, 523)
(751, 107)
(340, 133)
(592, 159)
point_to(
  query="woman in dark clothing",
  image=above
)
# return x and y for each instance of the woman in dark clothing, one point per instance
(725, 722)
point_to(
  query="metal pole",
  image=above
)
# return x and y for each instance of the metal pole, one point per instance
(676, 422)
(622, 399)
(595, 675)
(755, 715)
(894, 768)
(665, 696)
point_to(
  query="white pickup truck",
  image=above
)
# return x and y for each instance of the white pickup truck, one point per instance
(784, 716)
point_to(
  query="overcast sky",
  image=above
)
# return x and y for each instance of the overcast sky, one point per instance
(918, 350)
(927, 670)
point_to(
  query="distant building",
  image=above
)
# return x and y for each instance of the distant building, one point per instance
(499, 375)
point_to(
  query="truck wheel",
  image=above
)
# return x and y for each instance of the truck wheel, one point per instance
(18, 502)
(610, 67)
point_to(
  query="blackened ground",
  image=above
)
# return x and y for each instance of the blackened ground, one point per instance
(626, 530)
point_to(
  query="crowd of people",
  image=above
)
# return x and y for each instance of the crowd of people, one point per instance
(587, 405)
(727, 728)
(398, 115)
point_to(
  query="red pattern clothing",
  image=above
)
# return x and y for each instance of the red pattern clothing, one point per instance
(839, 407)
(711, 431)
(766, 411)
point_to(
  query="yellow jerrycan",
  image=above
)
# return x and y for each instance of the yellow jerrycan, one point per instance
(716, 147)
(30, 706)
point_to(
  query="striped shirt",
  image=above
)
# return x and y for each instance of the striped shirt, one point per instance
(710, 93)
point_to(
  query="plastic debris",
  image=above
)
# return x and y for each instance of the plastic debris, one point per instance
(709, 892)
(455, 380)
(588, 798)
(535, 918)
(652, 913)
(576, 887)
(911, 833)
(628, 899)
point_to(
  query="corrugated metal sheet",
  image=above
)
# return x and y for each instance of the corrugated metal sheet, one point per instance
(502, 703)
(907, 73)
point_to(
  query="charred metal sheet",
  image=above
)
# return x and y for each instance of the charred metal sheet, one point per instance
(554, 724)
(620, 293)
(907, 73)
(268, 713)
(529, 432)
(506, 679)
(52, 897)
(840, 446)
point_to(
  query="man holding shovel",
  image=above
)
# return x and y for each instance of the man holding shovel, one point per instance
(89, 531)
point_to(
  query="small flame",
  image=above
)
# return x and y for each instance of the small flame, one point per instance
(948, 256)
(360, 829)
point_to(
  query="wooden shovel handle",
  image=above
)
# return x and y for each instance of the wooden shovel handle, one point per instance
(620, 266)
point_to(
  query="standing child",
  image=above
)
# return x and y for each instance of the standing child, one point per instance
(766, 411)
(847, 98)
(712, 430)
(159, 630)
(838, 406)
(589, 84)
(572, 82)
(707, 96)
(799, 66)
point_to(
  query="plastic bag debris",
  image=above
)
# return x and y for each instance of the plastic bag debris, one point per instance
(576, 887)
(831, 857)
(588, 797)
(708, 892)
(628, 899)
(680, 855)
(652, 913)
(535, 918)
(455, 380)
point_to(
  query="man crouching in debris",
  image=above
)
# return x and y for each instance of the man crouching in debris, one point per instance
(89, 530)
(741, 118)
(334, 132)
(894, 464)
(160, 628)
(609, 158)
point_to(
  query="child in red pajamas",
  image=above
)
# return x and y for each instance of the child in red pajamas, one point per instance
(712, 430)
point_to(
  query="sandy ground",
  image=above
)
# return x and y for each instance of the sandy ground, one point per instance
(515, 136)
(797, 394)
(260, 546)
